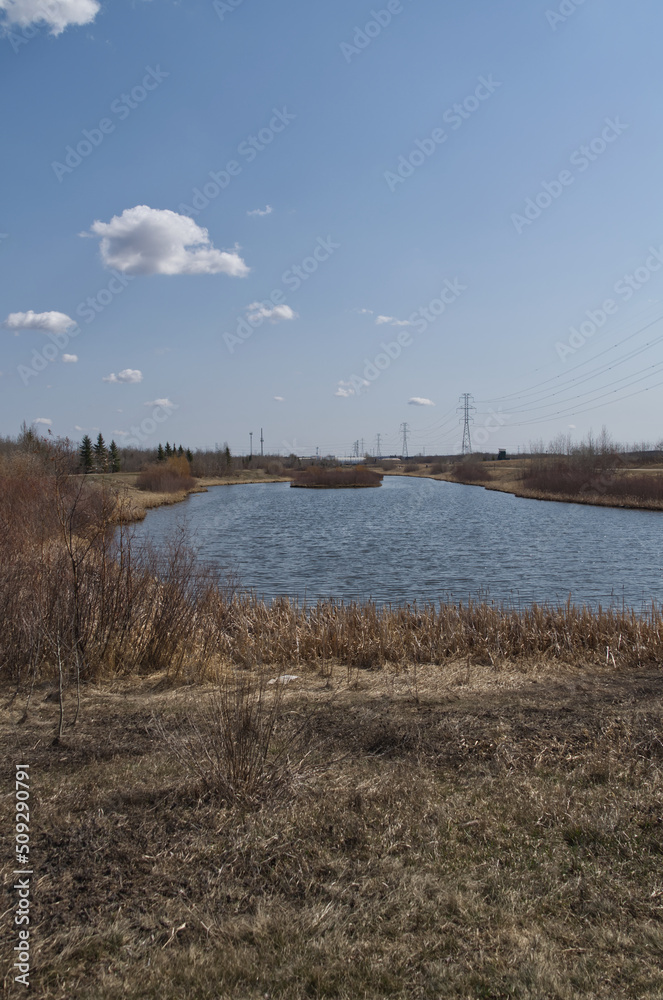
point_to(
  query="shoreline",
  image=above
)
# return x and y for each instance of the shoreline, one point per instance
(515, 489)
(133, 504)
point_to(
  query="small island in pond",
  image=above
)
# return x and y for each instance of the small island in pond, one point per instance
(318, 477)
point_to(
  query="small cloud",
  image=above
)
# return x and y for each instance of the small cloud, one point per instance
(121, 434)
(70, 359)
(420, 401)
(57, 14)
(126, 375)
(162, 350)
(44, 420)
(346, 389)
(392, 321)
(77, 428)
(365, 312)
(146, 240)
(165, 403)
(279, 399)
(267, 210)
(572, 427)
(47, 322)
(261, 310)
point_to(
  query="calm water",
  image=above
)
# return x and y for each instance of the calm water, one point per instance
(418, 539)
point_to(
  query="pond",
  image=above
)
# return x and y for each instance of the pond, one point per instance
(420, 540)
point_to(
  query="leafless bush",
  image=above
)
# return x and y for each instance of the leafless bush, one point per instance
(241, 747)
(319, 476)
(168, 477)
(471, 472)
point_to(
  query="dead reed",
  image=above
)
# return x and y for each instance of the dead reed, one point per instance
(318, 476)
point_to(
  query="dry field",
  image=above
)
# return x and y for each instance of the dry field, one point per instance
(456, 830)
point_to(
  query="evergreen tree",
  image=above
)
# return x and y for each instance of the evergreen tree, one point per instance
(228, 458)
(160, 453)
(189, 456)
(113, 457)
(85, 452)
(100, 454)
(169, 450)
(180, 450)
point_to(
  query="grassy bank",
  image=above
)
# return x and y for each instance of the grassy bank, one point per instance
(462, 831)
(134, 503)
(628, 488)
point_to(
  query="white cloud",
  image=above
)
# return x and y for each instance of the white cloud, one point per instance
(258, 310)
(126, 375)
(279, 399)
(267, 210)
(57, 14)
(365, 312)
(70, 359)
(121, 434)
(147, 240)
(392, 321)
(47, 322)
(166, 403)
(77, 428)
(420, 401)
(44, 420)
(345, 389)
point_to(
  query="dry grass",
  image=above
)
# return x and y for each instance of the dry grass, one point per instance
(320, 477)
(488, 834)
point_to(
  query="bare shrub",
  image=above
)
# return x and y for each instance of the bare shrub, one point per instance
(241, 747)
(471, 472)
(319, 476)
(169, 477)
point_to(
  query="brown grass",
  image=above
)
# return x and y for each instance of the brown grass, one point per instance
(320, 477)
(483, 834)
(453, 801)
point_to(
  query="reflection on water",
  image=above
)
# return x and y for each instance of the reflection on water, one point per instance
(418, 539)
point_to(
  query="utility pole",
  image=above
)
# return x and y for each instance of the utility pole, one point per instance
(355, 449)
(466, 407)
(405, 429)
(378, 453)
(262, 441)
(251, 444)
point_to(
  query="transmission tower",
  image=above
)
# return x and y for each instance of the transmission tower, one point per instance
(378, 453)
(405, 430)
(262, 441)
(466, 408)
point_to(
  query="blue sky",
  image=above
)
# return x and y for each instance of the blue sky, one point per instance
(475, 179)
